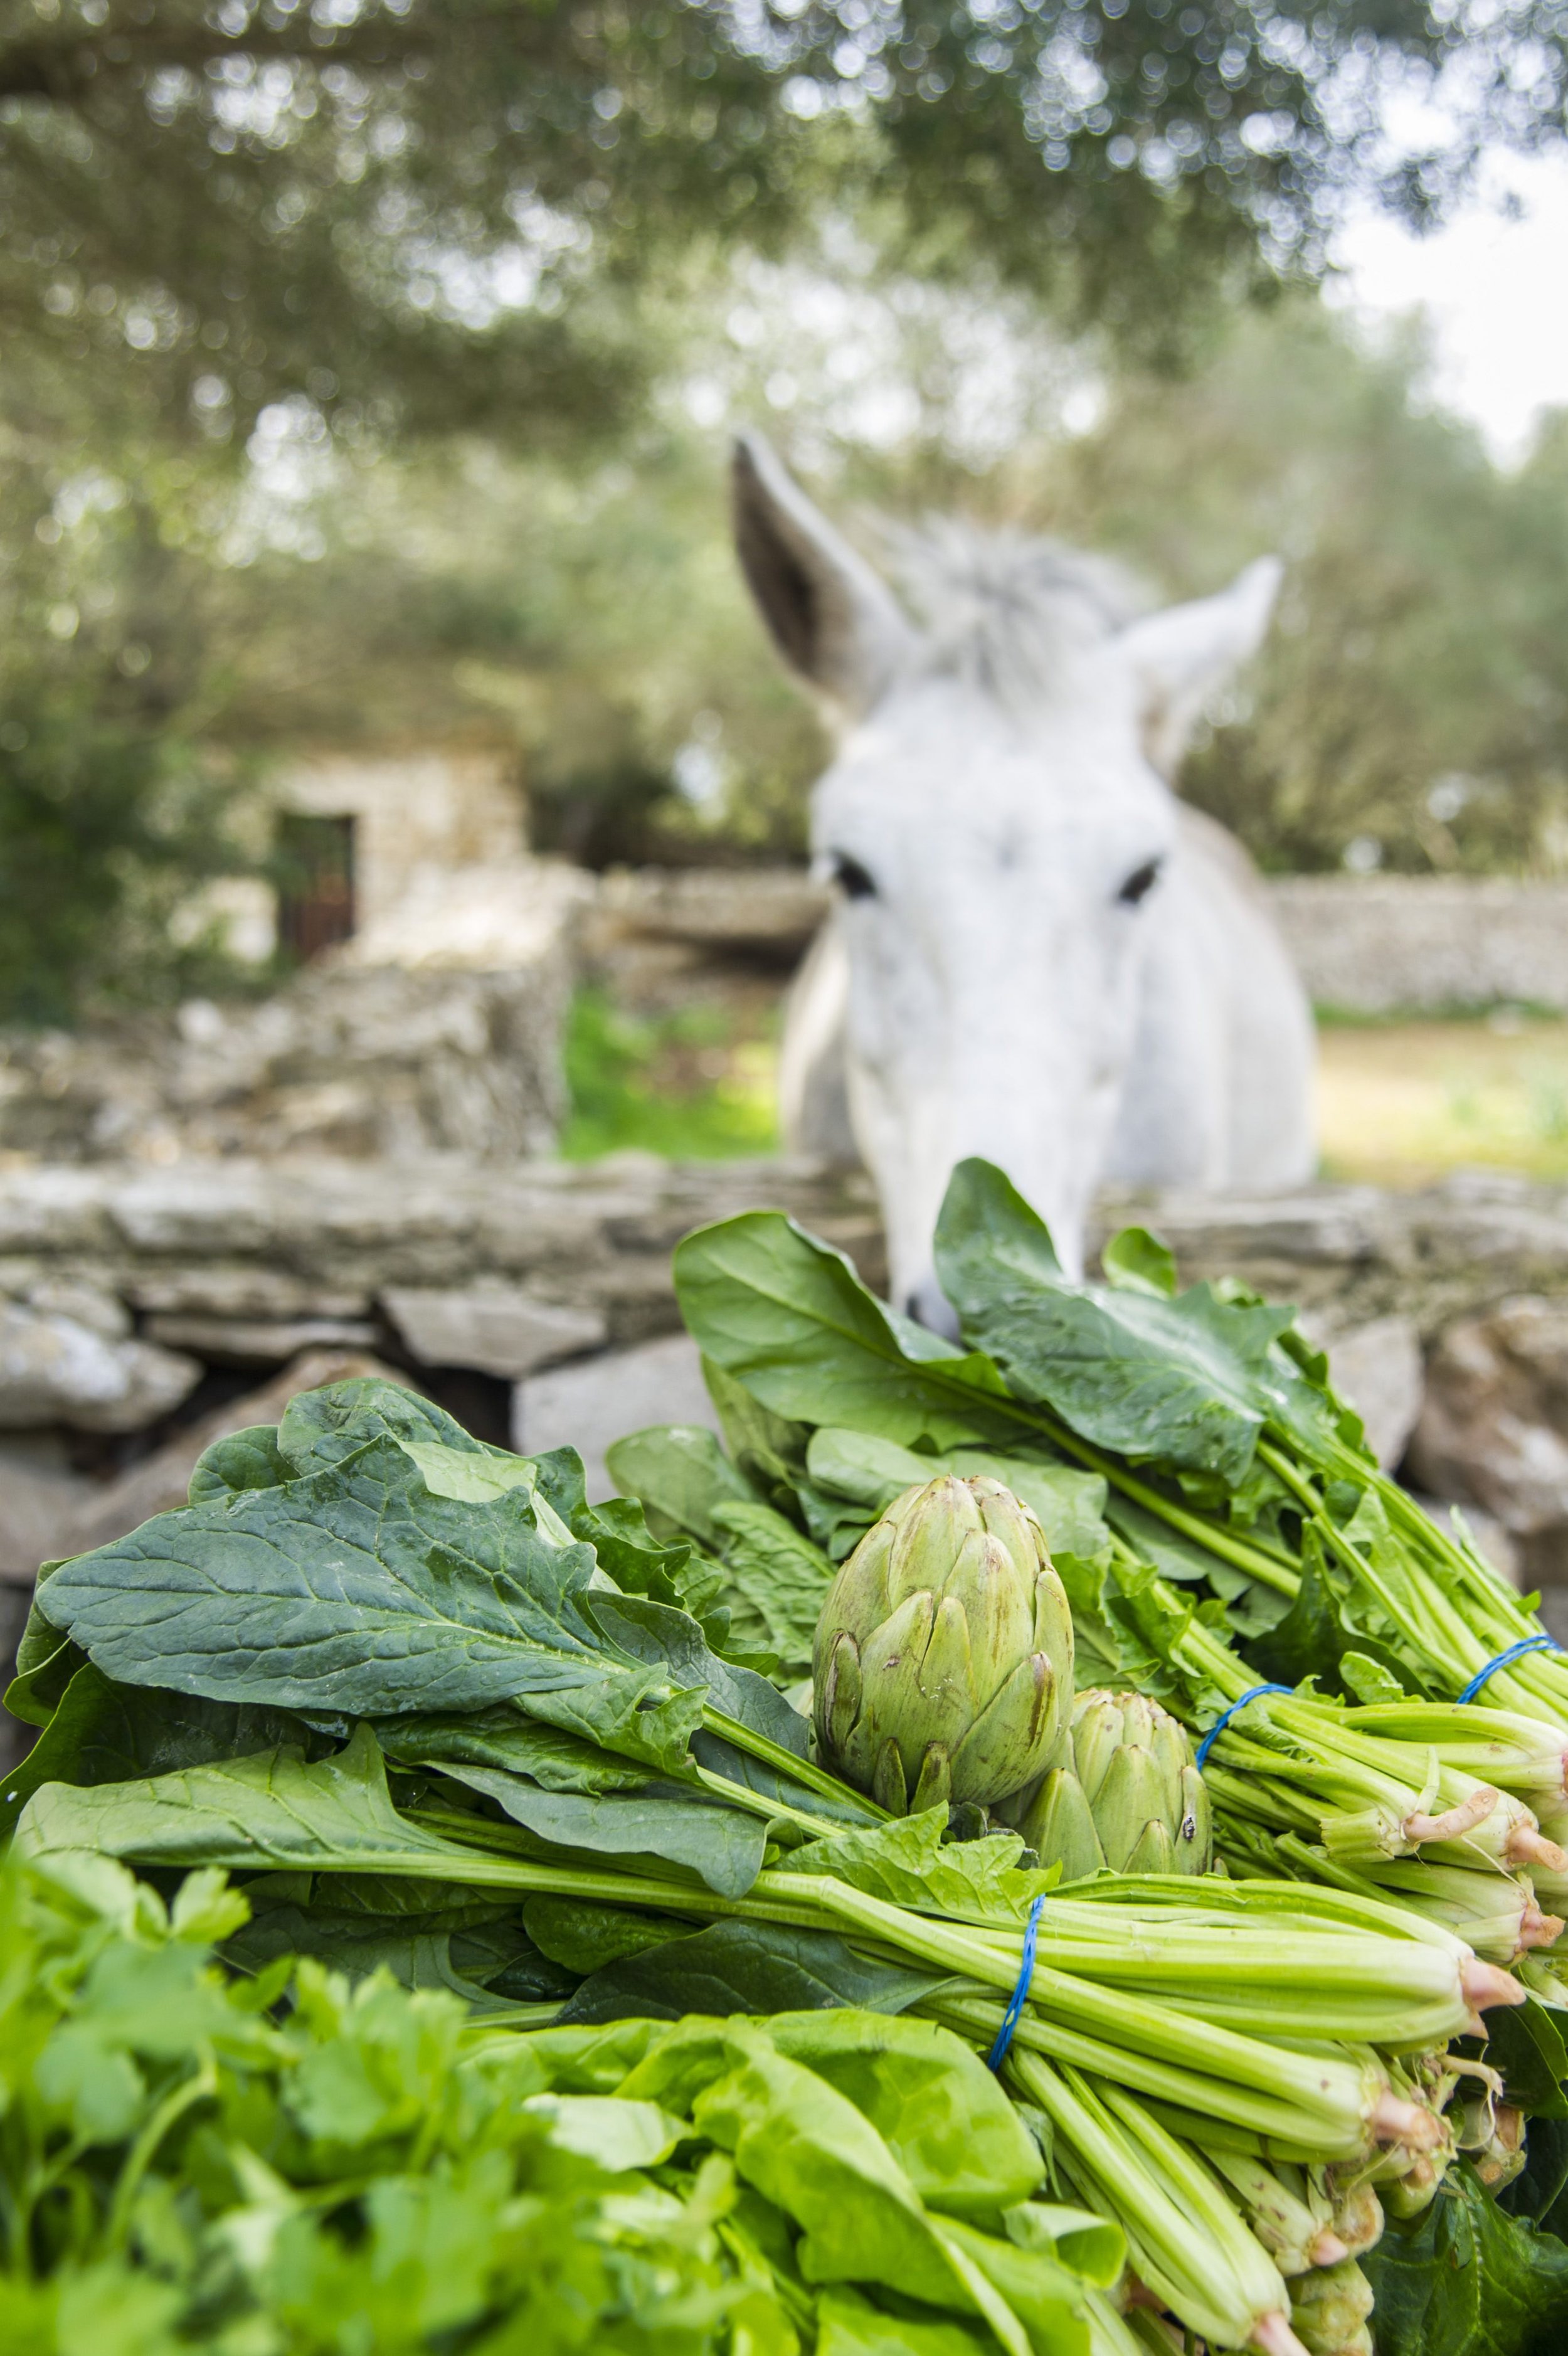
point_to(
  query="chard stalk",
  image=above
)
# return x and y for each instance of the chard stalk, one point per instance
(1270, 2120)
(1185, 2237)
(1296, 2230)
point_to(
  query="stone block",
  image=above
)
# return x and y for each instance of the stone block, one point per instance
(259, 1341)
(586, 1406)
(1494, 1426)
(40, 1500)
(54, 1370)
(496, 1329)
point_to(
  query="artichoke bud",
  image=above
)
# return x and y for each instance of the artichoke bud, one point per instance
(944, 1657)
(1122, 1791)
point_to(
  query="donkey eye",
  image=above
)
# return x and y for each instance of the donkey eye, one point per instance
(854, 881)
(1139, 883)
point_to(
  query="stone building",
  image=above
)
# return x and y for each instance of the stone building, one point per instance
(435, 969)
(361, 831)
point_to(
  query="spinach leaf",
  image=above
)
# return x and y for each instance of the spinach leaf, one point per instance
(725, 1847)
(744, 1967)
(908, 1863)
(241, 1812)
(47, 1660)
(667, 1570)
(1137, 1261)
(470, 1958)
(765, 1449)
(866, 1469)
(1466, 2279)
(321, 1428)
(1187, 1382)
(355, 1590)
(737, 1766)
(108, 1734)
(240, 1460)
(787, 1316)
(638, 1629)
(780, 1574)
(678, 1471)
(582, 1937)
(500, 1737)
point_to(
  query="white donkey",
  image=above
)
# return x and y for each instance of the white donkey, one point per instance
(1039, 954)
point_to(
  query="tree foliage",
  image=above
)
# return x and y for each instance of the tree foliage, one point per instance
(368, 363)
(421, 211)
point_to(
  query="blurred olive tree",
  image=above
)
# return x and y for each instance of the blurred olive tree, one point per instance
(368, 362)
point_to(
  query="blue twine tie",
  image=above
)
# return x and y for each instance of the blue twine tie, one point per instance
(1223, 1721)
(1019, 1997)
(1514, 1652)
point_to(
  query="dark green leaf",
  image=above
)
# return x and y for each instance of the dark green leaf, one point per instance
(1465, 2279)
(106, 1733)
(787, 1316)
(724, 1846)
(677, 1470)
(1188, 1382)
(272, 1808)
(355, 1590)
(501, 1737)
(1172, 1555)
(722, 1758)
(766, 1449)
(240, 1459)
(750, 1967)
(1317, 1634)
(641, 1629)
(321, 1428)
(46, 1659)
(582, 1937)
(1526, 2043)
(419, 1954)
(780, 1574)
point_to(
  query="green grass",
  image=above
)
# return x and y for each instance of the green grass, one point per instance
(1399, 1103)
(696, 1085)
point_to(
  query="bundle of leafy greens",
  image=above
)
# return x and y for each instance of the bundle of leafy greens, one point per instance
(447, 1721)
(832, 1403)
(296, 2163)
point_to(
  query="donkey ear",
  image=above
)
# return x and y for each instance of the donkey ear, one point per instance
(1178, 657)
(835, 622)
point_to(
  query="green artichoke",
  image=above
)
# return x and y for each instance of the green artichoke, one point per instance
(1121, 1790)
(942, 1666)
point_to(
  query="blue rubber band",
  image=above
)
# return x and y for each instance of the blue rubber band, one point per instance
(1019, 1997)
(1514, 1652)
(1223, 1721)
